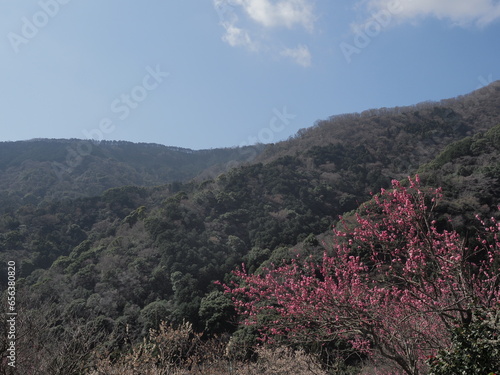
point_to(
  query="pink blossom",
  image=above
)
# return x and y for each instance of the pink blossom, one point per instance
(398, 302)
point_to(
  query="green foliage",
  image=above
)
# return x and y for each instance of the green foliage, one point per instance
(469, 173)
(469, 146)
(242, 344)
(217, 311)
(493, 136)
(457, 149)
(475, 348)
(153, 314)
(134, 216)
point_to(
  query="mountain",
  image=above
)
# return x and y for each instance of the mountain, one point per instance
(126, 238)
(391, 141)
(400, 138)
(46, 169)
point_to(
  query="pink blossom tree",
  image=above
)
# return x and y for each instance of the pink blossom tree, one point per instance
(394, 286)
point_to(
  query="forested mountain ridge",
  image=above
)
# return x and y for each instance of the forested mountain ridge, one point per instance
(121, 261)
(403, 137)
(391, 141)
(46, 169)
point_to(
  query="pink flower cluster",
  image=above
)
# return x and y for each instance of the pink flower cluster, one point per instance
(392, 286)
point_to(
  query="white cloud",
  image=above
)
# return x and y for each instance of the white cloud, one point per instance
(300, 55)
(237, 37)
(259, 18)
(459, 12)
(284, 13)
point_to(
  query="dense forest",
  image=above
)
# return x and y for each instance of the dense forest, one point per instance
(81, 168)
(122, 249)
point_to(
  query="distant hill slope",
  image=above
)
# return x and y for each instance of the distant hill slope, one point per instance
(469, 173)
(345, 149)
(45, 169)
(397, 140)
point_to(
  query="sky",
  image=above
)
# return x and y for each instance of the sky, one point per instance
(204, 74)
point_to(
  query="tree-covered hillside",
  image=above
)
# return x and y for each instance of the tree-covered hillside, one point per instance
(123, 238)
(54, 169)
(400, 138)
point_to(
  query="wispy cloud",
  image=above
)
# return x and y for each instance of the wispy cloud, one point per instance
(237, 37)
(285, 13)
(259, 18)
(459, 12)
(300, 55)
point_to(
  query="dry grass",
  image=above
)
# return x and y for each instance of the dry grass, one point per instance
(180, 351)
(277, 361)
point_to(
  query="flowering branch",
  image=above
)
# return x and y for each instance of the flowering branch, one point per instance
(393, 287)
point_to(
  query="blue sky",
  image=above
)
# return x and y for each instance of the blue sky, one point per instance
(221, 73)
